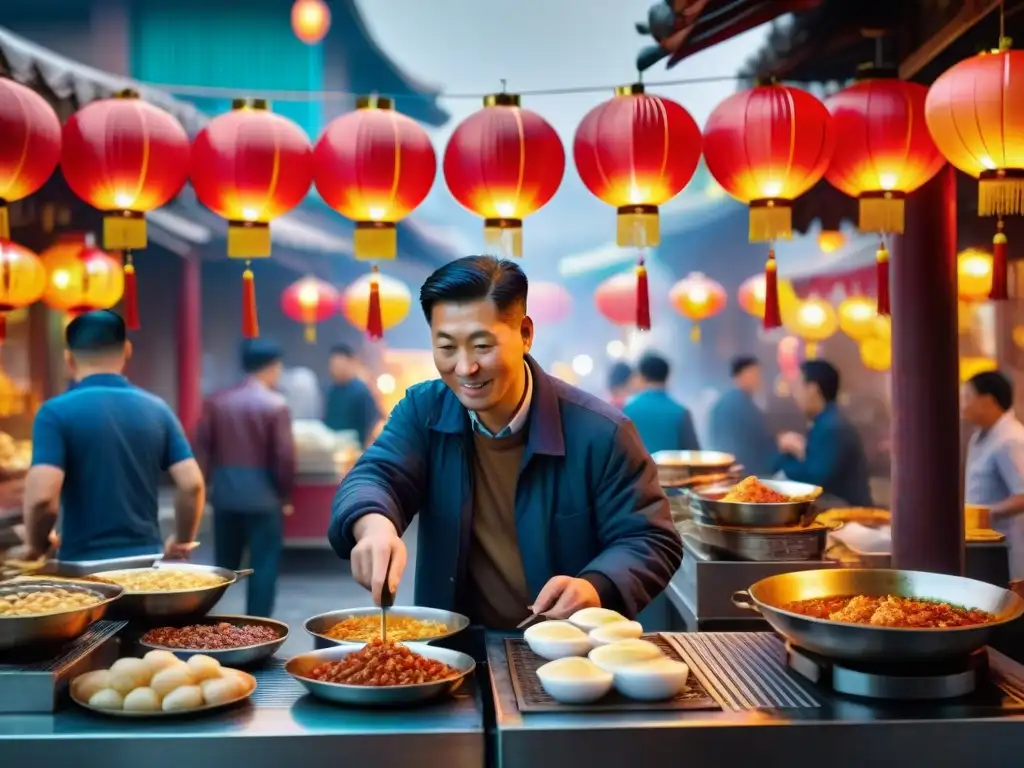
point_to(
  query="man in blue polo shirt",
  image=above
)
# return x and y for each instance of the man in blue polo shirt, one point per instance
(98, 453)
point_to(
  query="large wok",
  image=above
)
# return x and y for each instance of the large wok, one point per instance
(861, 642)
(18, 631)
(174, 605)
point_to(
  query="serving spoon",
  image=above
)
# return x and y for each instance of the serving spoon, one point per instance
(387, 599)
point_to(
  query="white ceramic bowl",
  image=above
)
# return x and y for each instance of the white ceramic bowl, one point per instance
(655, 680)
(624, 652)
(574, 681)
(592, 618)
(557, 640)
(617, 630)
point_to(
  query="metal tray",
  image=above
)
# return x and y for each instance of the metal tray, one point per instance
(17, 631)
(244, 656)
(766, 544)
(178, 713)
(531, 696)
(318, 625)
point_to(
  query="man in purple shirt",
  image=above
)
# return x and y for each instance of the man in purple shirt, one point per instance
(245, 448)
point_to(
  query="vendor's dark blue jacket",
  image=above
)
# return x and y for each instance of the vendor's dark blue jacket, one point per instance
(587, 502)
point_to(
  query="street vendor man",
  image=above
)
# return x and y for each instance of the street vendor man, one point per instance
(533, 496)
(98, 453)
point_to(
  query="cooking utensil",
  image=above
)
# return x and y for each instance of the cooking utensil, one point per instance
(17, 631)
(379, 696)
(245, 656)
(533, 618)
(795, 543)
(177, 713)
(318, 625)
(708, 506)
(676, 467)
(863, 642)
(387, 599)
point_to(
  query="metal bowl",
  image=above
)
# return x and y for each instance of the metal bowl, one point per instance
(17, 631)
(709, 508)
(863, 642)
(174, 605)
(318, 625)
(245, 656)
(379, 696)
(766, 545)
(679, 467)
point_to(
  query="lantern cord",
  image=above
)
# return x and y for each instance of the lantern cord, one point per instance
(131, 294)
(999, 290)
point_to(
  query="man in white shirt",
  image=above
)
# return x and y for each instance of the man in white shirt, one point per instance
(995, 459)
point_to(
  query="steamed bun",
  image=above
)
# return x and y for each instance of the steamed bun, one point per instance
(221, 690)
(128, 673)
(107, 698)
(168, 679)
(142, 700)
(203, 667)
(85, 686)
(185, 697)
(158, 660)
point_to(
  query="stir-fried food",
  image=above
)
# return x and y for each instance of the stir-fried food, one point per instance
(890, 611)
(210, 637)
(383, 664)
(363, 629)
(160, 580)
(750, 490)
(36, 602)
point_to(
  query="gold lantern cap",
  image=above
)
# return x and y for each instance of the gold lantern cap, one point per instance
(501, 100)
(257, 104)
(373, 101)
(634, 89)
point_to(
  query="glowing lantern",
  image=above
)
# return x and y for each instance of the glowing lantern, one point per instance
(697, 297)
(882, 328)
(309, 301)
(504, 163)
(857, 317)
(81, 277)
(766, 147)
(814, 321)
(22, 280)
(395, 302)
(311, 19)
(876, 354)
(548, 303)
(251, 166)
(787, 356)
(830, 240)
(30, 147)
(973, 275)
(751, 296)
(616, 298)
(972, 366)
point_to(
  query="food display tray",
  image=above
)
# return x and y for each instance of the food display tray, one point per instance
(531, 697)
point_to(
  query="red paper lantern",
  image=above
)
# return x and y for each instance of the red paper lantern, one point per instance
(251, 166)
(311, 19)
(616, 298)
(80, 276)
(310, 301)
(766, 147)
(22, 280)
(30, 147)
(548, 303)
(751, 295)
(697, 297)
(504, 163)
(975, 114)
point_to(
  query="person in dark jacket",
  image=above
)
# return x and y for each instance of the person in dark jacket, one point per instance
(620, 384)
(663, 424)
(738, 425)
(349, 404)
(245, 448)
(832, 455)
(533, 496)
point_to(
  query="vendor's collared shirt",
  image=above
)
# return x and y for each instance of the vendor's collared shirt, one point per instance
(519, 419)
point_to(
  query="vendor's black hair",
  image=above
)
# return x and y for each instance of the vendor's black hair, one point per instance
(653, 368)
(740, 363)
(343, 349)
(475, 278)
(96, 332)
(824, 375)
(619, 375)
(996, 385)
(258, 354)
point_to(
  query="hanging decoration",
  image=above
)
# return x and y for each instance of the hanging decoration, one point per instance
(751, 295)
(311, 20)
(971, 366)
(393, 297)
(974, 271)
(876, 353)
(616, 298)
(548, 303)
(251, 166)
(80, 276)
(857, 317)
(636, 152)
(697, 298)
(30, 148)
(883, 153)
(975, 113)
(309, 301)
(767, 146)
(814, 321)
(374, 166)
(830, 240)
(125, 157)
(22, 280)
(504, 163)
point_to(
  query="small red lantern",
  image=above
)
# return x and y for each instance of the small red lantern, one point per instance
(548, 303)
(766, 147)
(636, 152)
(616, 298)
(251, 166)
(22, 280)
(697, 297)
(310, 301)
(30, 147)
(81, 277)
(504, 163)
(311, 19)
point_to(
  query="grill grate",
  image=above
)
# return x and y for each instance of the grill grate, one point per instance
(1002, 674)
(275, 687)
(31, 659)
(744, 670)
(531, 697)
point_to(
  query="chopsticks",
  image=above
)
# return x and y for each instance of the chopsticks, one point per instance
(387, 599)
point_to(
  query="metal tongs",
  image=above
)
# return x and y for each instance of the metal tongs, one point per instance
(387, 599)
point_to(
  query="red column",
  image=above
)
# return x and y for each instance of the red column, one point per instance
(190, 344)
(928, 524)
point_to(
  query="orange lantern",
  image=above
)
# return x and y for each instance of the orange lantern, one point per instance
(766, 147)
(616, 298)
(80, 276)
(831, 240)
(751, 296)
(697, 297)
(395, 302)
(814, 321)
(857, 317)
(975, 113)
(311, 19)
(876, 353)
(310, 301)
(22, 280)
(973, 275)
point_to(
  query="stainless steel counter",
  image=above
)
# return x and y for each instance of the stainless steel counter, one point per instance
(279, 726)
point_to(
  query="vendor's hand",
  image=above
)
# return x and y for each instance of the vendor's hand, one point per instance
(792, 443)
(562, 596)
(12, 493)
(177, 550)
(377, 544)
(24, 553)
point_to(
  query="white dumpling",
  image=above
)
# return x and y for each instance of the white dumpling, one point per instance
(221, 690)
(158, 660)
(203, 667)
(142, 700)
(106, 698)
(170, 678)
(84, 686)
(138, 670)
(185, 697)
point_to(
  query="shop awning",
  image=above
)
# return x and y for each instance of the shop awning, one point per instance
(849, 271)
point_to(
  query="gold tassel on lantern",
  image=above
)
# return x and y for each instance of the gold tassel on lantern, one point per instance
(771, 220)
(124, 230)
(505, 235)
(375, 240)
(5, 221)
(882, 212)
(1001, 192)
(695, 334)
(638, 226)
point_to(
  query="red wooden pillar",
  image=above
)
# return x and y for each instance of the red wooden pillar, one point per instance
(928, 526)
(190, 344)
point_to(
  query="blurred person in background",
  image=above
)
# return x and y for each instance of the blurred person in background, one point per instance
(663, 424)
(738, 426)
(620, 384)
(832, 453)
(350, 404)
(301, 390)
(245, 448)
(994, 475)
(99, 452)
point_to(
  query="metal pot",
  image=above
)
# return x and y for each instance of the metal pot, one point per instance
(766, 544)
(709, 508)
(244, 656)
(18, 631)
(174, 605)
(863, 642)
(676, 468)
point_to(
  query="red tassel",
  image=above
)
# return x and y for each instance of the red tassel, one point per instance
(131, 298)
(643, 298)
(250, 321)
(882, 278)
(772, 314)
(999, 290)
(374, 321)
(3, 328)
